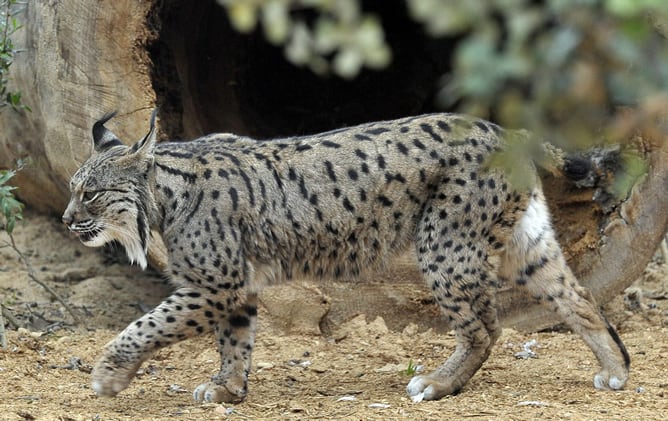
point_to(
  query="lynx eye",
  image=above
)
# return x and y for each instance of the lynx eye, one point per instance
(89, 196)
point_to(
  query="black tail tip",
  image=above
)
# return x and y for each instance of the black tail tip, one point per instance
(577, 168)
(615, 337)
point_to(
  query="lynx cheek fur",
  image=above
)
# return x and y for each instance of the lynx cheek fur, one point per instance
(237, 213)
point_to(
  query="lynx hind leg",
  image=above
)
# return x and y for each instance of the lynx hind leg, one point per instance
(534, 260)
(463, 288)
(235, 335)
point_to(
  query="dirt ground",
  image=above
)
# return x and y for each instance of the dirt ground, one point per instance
(356, 372)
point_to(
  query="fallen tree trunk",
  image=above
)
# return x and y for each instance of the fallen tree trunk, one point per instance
(83, 59)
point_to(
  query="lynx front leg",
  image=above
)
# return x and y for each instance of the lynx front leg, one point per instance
(462, 286)
(184, 314)
(236, 336)
(476, 331)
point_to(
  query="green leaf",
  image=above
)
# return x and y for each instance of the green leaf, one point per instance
(348, 62)
(10, 208)
(276, 21)
(5, 175)
(633, 167)
(243, 15)
(11, 222)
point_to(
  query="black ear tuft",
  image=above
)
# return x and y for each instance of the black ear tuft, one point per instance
(103, 138)
(148, 142)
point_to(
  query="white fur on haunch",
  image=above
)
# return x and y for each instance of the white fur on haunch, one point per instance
(534, 224)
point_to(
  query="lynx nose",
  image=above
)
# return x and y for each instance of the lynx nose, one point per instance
(71, 213)
(67, 219)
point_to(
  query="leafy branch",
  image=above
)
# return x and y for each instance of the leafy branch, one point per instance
(342, 38)
(12, 209)
(9, 24)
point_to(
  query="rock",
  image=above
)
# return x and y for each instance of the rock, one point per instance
(294, 308)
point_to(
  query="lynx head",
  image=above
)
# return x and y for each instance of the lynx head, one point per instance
(111, 194)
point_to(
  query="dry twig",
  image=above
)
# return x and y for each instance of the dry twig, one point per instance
(3, 338)
(33, 276)
(9, 317)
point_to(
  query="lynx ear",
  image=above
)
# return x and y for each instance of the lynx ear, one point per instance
(103, 138)
(145, 146)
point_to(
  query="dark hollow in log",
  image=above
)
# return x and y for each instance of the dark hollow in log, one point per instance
(208, 77)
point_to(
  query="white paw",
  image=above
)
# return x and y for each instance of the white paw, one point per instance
(418, 398)
(602, 382)
(419, 389)
(615, 383)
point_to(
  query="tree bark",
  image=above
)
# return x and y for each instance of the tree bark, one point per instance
(85, 58)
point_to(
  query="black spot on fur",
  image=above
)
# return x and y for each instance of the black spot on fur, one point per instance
(302, 148)
(188, 177)
(330, 171)
(381, 162)
(482, 126)
(360, 154)
(444, 126)
(377, 130)
(348, 205)
(238, 321)
(384, 200)
(430, 131)
(330, 144)
(402, 148)
(234, 196)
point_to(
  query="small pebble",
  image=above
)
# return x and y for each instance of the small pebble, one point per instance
(532, 403)
(264, 365)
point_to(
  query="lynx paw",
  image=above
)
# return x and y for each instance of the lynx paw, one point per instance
(217, 393)
(425, 388)
(606, 381)
(108, 379)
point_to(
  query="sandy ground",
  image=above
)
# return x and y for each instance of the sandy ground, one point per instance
(357, 372)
